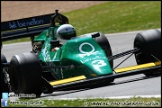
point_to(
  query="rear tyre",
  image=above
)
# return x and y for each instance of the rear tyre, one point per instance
(104, 43)
(4, 81)
(149, 43)
(25, 74)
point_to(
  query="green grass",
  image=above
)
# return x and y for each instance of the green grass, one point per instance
(115, 16)
(112, 17)
(96, 102)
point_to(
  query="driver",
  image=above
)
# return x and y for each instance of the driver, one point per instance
(64, 32)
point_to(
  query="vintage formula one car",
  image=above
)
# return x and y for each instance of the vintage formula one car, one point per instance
(60, 60)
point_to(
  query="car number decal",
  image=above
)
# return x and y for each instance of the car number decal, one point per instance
(99, 63)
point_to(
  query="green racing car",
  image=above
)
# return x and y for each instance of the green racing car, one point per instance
(61, 60)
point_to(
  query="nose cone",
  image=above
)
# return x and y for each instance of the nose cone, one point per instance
(97, 62)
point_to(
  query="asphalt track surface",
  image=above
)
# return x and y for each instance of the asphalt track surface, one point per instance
(126, 86)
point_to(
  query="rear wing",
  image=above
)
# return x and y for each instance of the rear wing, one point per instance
(29, 27)
(26, 27)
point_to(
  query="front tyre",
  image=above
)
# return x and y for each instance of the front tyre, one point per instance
(149, 43)
(25, 74)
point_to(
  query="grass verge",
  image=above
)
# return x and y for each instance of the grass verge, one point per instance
(113, 17)
(96, 102)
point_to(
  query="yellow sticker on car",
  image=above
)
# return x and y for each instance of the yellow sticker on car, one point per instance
(67, 80)
(147, 65)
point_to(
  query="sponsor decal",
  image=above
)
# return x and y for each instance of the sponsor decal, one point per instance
(33, 22)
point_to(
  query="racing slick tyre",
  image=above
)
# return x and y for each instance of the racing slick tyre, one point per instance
(25, 74)
(149, 43)
(104, 43)
(4, 82)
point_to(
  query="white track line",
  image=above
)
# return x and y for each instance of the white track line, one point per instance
(131, 32)
(115, 97)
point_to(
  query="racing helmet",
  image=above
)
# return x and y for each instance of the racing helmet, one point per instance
(65, 32)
